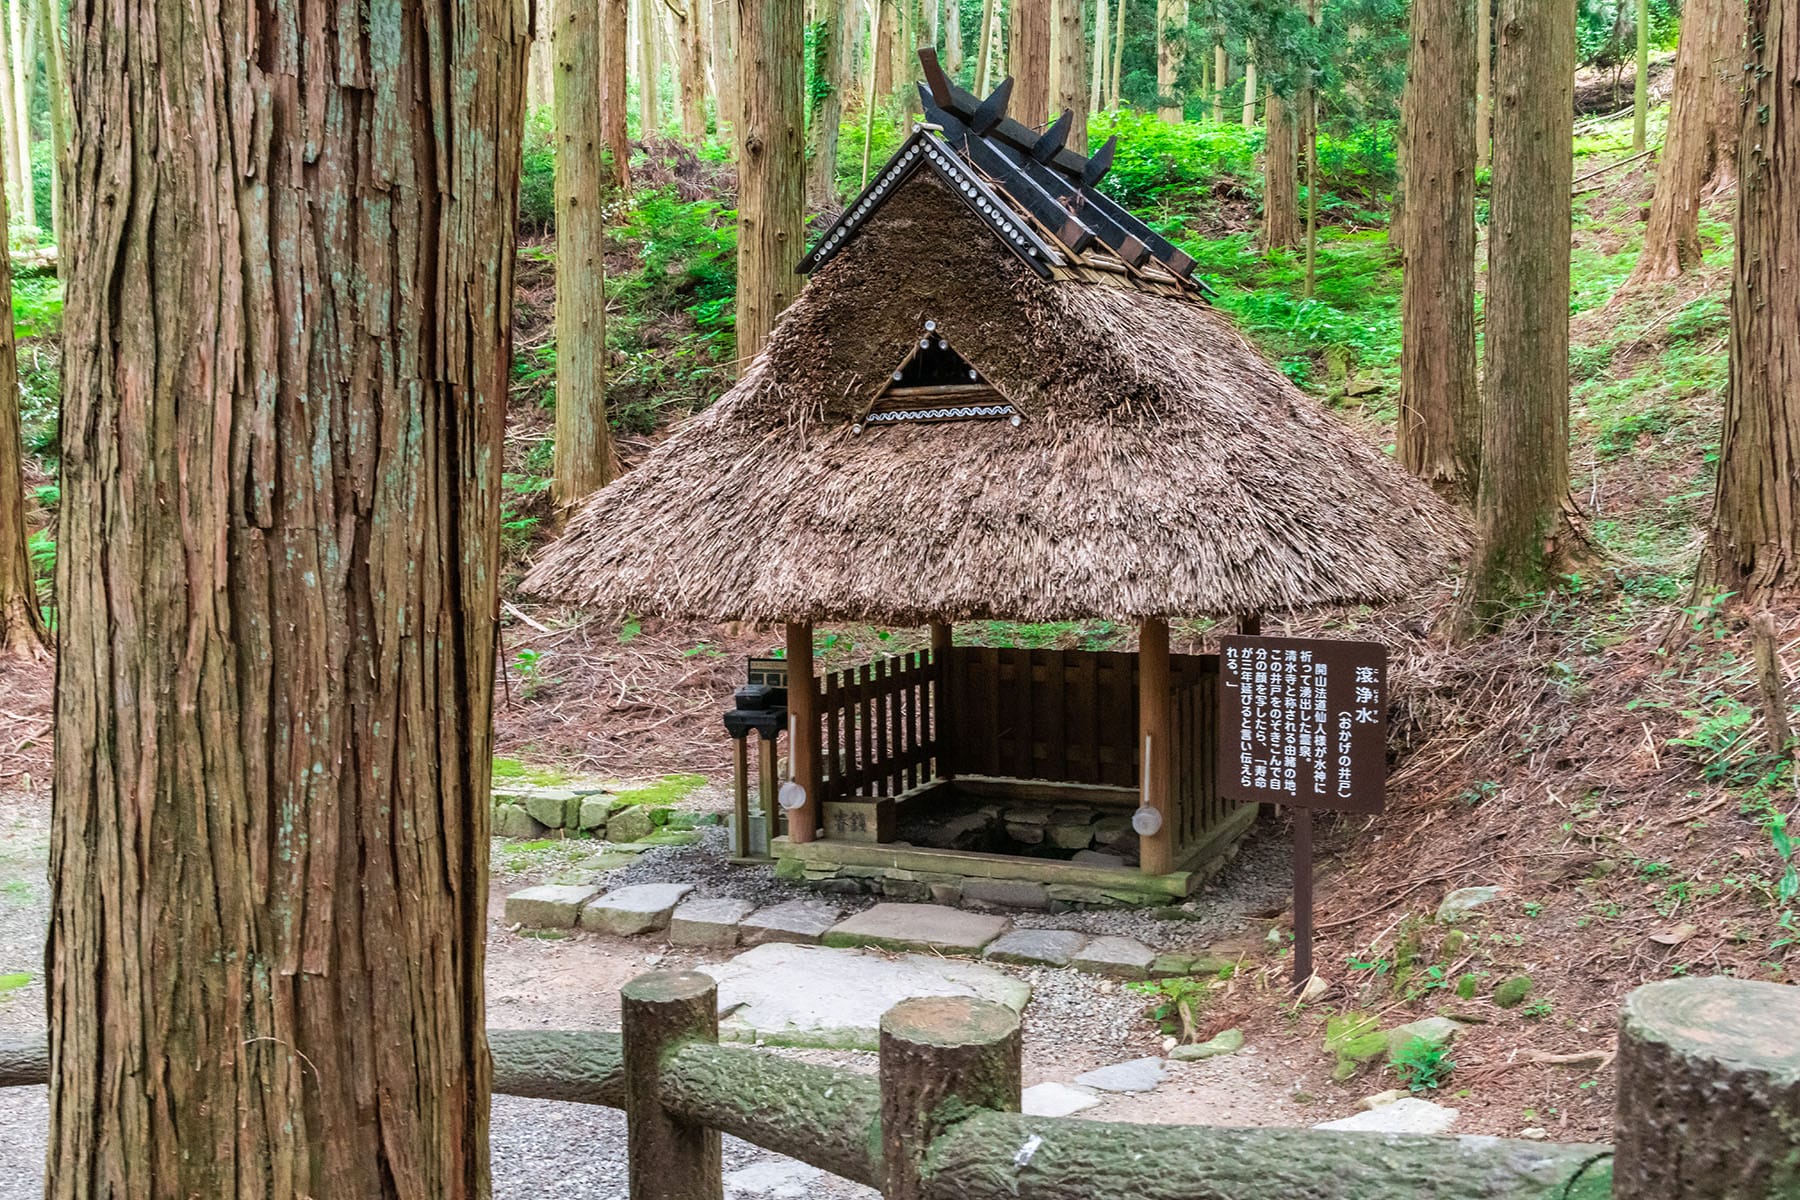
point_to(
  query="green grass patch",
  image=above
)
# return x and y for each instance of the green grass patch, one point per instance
(12, 983)
(513, 770)
(670, 789)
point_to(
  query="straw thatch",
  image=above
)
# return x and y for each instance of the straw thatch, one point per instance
(1162, 468)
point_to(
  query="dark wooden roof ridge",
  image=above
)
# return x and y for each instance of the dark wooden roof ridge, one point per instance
(1039, 197)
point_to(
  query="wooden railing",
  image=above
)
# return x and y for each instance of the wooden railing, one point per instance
(1707, 1110)
(1197, 805)
(879, 726)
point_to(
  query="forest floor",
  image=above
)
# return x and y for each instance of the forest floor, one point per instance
(1602, 760)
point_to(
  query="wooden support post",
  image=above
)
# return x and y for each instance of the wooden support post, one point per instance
(803, 751)
(1156, 852)
(1303, 897)
(667, 1159)
(740, 797)
(941, 714)
(942, 1059)
(1708, 1091)
(766, 784)
(1250, 625)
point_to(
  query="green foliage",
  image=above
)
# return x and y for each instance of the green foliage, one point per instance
(670, 789)
(516, 771)
(528, 665)
(537, 176)
(1353, 1039)
(1175, 1004)
(1423, 1065)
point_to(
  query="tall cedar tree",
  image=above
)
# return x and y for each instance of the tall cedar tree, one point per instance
(771, 165)
(1699, 154)
(1171, 56)
(1440, 415)
(722, 38)
(645, 20)
(1028, 59)
(21, 625)
(615, 99)
(1756, 515)
(584, 459)
(832, 65)
(690, 69)
(288, 333)
(1524, 486)
(1281, 172)
(1070, 85)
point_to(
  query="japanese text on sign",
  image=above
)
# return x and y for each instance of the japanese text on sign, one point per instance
(1303, 722)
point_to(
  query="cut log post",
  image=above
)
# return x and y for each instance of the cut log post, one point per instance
(1709, 1092)
(943, 1059)
(668, 1158)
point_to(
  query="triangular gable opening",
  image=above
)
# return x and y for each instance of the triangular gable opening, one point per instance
(935, 383)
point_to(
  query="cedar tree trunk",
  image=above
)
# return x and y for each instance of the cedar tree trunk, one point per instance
(615, 99)
(649, 69)
(1221, 78)
(1028, 60)
(21, 107)
(1171, 53)
(1071, 83)
(1525, 436)
(22, 633)
(831, 75)
(1756, 515)
(288, 334)
(723, 37)
(771, 166)
(56, 83)
(1699, 153)
(1484, 75)
(1281, 176)
(1440, 417)
(584, 459)
(690, 71)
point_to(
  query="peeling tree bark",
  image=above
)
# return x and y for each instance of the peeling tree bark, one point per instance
(1070, 86)
(22, 634)
(1519, 509)
(1028, 59)
(771, 165)
(1439, 432)
(1699, 153)
(831, 71)
(1171, 53)
(287, 348)
(1755, 542)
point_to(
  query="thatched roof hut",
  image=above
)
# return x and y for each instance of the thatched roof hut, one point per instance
(1122, 452)
(1001, 396)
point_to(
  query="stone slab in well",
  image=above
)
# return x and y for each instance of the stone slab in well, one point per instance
(641, 908)
(788, 995)
(919, 927)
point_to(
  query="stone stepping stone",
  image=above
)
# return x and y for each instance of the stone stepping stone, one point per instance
(549, 905)
(1056, 1100)
(787, 995)
(1011, 893)
(709, 922)
(800, 922)
(919, 927)
(1410, 1115)
(1120, 957)
(1036, 947)
(1138, 1075)
(641, 908)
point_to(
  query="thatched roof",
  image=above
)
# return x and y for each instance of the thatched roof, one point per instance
(1161, 467)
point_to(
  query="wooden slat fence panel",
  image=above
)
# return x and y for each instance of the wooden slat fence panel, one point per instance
(878, 730)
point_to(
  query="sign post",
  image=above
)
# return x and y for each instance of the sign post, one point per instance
(1303, 722)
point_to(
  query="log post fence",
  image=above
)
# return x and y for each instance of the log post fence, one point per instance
(1708, 1109)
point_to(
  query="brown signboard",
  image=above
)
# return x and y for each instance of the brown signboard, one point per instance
(1303, 721)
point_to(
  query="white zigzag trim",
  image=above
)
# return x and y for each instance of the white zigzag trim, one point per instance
(940, 414)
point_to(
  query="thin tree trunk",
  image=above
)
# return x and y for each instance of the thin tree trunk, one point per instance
(276, 589)
(615, 93)
(877, 10)
(1755, 536)
(831, 73)
(887, 28)
(57, 84)
(1118, 54)
(1171, 50)
(9, 124)
(691, 70)
(1070, 88)
(771, 167)
(649, 69)
(724, 62)
(21, 108)
(1640, 95)
(984, 52)
(584, 456)
(1524, 486)
(1250, 94)
(1484, 72)
(906, 66)
(1221, 78)
(540, 82)
(1699, 153)
(1281, 176)
(953, 41)
(1309, 149)
(1439, 436)
(22, 634)
(1097, 79)
(1028, 60)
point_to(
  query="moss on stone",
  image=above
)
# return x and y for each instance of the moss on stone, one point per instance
(1512, 993)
